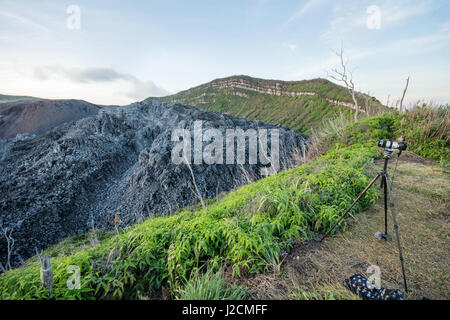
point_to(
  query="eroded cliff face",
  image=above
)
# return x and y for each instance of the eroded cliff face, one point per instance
(272, 88)
(118, 161)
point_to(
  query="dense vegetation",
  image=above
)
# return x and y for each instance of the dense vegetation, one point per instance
(427, 129)
(296, 112)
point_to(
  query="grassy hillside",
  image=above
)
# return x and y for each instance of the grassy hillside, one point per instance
(8, 98)
(300, 105)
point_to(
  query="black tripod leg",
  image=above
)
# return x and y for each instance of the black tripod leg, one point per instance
(385, 207)
(352, 205)
(391, 197)
(384, 186)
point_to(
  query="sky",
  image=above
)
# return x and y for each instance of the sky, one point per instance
(118, 52)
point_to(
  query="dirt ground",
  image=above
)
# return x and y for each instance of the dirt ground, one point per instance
(316, 270)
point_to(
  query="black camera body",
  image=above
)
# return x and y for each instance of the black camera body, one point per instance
(392, 144)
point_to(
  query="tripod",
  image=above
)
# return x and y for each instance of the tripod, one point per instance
(387, 187)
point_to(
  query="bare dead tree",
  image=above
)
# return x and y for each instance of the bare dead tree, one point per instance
(346, 77)
(7, 233)
(168, 204)
(2, 268)
(246, 174)
(117, 222)
(93, 234)
(197, 191)
(148, 211)
(404, 92)
(217, 190)
(367, 103)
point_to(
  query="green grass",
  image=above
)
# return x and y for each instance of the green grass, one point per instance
(210, 286)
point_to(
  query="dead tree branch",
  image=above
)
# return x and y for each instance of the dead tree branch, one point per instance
(197, 191)
(246, 174)
(346, 77)
(367, 103)
(404, 92)
(7, 233)
(93, 235)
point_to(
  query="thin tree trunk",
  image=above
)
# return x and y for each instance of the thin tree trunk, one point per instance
(356, 104)
(404, 92)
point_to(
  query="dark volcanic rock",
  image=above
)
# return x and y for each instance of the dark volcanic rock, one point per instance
(82, 173)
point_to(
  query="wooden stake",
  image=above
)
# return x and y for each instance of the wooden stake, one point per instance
(47, 273)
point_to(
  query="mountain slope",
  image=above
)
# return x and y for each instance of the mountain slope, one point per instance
(118, 161)
(39, 116)
(300, 105)
(8, 98)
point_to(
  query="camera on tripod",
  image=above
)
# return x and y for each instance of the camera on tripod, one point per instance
(386, 184)
(392, 144)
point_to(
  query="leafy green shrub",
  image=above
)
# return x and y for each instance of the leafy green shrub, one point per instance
(370, 130)
(427, 130)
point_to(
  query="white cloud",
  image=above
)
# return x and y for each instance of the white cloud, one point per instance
(23, 20)
(138, 89)
(291, 46)
(142, 90)
(79, 74)
(394, 11)
(416, 45)
(316, 68)
(310, 4)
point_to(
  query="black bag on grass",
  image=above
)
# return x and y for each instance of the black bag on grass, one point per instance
(359, 285)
